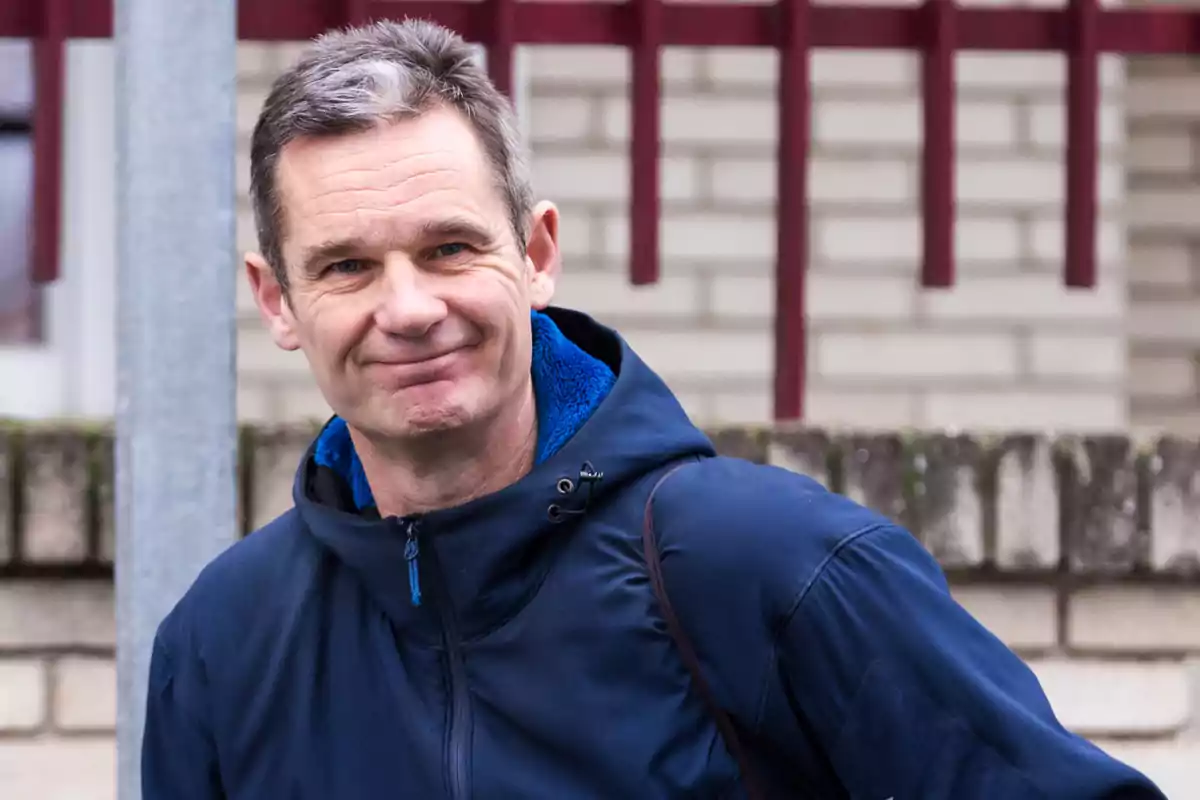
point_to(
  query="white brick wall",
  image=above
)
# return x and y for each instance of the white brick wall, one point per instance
(1124, 672)
(58, 768)
(994, 351)
(23, 700)
(85, 693)
(1008, 345)
(1164, 199)
(57, 690)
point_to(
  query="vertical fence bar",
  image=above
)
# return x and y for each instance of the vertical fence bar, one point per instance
(501, 45)
(1082, 150)
(49, 71)
(792, 213)
(176, 453)
(644, 206)
(938, 159)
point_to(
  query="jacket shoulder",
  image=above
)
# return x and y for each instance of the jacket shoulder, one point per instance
(730, 522)
(246, 583)
(740, 544)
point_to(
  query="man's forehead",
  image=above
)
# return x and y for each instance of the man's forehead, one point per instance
(397, 181)
(440, 139)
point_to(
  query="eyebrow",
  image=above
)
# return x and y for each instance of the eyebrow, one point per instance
(442, 230)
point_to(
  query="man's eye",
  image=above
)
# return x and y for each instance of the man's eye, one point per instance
(450, 250)
(349, 266)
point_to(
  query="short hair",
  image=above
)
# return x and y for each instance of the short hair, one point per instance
(355, 79)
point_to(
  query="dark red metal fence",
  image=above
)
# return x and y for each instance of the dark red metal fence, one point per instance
(1081, 30)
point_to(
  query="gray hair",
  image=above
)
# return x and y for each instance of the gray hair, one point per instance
(355, 79)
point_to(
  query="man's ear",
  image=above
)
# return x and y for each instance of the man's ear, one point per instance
(542, 254)
(272, 302)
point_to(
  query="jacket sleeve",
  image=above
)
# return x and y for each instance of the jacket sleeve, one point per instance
(178, 755)
(911, 697)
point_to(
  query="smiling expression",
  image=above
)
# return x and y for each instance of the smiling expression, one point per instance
(409, 290)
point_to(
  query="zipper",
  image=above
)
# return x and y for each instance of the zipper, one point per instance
(412, 549)
(459, 737)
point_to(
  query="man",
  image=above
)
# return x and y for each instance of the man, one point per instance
(460, 604)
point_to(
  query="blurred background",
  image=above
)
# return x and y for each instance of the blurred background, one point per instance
(1040, 439)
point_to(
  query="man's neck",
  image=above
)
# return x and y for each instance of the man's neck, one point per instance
(416, 480)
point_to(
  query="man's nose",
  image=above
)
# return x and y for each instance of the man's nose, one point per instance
(409, 306)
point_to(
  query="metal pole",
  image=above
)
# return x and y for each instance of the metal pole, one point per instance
(176, 418)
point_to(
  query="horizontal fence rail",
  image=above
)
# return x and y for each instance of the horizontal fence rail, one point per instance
(1014, 507)
(938, 29)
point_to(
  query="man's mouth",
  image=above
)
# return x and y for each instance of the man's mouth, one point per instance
(404, 374)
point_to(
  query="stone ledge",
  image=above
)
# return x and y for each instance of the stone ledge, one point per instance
(1091, 508)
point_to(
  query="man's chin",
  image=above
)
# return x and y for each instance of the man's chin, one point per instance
(424, 419)
(429, 424)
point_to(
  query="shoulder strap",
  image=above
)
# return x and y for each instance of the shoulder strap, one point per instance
(686, 651)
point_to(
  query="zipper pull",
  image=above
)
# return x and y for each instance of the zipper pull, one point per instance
(411, 550)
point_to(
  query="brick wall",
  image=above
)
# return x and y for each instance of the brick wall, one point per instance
(1008, 347)
(997, 351)
(1081, 554)
(1164, 198)
(57, 690)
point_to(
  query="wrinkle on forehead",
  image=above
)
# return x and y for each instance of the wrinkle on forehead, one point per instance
(336, 172)
(355, 197)
(424, 168)
(388, 155)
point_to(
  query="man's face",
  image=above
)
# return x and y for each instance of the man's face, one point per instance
(409, 294)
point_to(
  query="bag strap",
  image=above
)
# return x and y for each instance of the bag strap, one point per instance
(724, 724)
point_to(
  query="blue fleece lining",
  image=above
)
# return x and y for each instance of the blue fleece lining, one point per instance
(568, 386)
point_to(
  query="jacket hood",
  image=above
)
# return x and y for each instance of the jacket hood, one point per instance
(605, 420)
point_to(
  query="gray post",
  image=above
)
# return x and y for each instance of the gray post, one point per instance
(176, 420)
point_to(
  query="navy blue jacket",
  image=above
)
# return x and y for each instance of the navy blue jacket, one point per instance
(512, 647)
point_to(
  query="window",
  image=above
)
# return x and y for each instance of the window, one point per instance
(19, 298)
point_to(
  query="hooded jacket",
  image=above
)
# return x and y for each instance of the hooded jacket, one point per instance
(512, 647)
